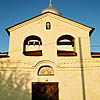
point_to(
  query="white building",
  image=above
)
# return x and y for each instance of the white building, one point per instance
(49, 58)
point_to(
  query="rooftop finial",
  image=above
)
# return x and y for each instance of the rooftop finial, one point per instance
(51, 9)
(50, 2)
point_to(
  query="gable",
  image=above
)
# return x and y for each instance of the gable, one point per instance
(55, 16)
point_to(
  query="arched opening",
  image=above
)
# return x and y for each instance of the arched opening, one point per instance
(46, 71)
(66, 46)
(32, 46)
(48, 25)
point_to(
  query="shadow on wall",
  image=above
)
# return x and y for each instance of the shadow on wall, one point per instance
(14, 86)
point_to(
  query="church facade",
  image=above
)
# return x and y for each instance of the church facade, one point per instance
(49, 58)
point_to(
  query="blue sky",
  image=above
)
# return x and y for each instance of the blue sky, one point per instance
(15, 11)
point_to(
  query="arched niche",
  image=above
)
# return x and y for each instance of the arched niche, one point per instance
(46, 70)
(48, 25)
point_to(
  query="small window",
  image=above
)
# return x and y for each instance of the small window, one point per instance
(32, 46)
(46, 71)
(48, 25)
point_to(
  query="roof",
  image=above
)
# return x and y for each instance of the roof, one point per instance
(4, 55)
(92, 29)
(95, 54)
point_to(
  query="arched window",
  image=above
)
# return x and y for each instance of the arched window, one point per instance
(66, 46)
(32, 46)
(46, 71)
(48, 25)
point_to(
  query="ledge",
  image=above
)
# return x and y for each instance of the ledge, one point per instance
(4, 55)
(95, 54)
(33, 53)
(66, 53)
